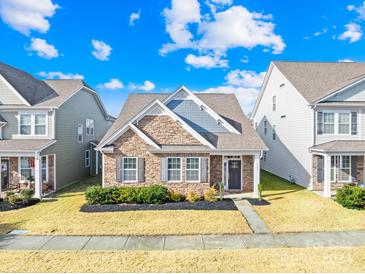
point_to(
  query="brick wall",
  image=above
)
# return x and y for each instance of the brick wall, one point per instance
(215, 169)
(14, 176)
(247, 170)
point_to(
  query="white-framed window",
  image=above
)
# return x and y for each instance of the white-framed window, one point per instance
(265, 127)
(274, 132)
(274, 103)
(44, 163)
(26, 168)
(328, 123)
(341, 168)
(89, 127)
(130, 169)
(33, 124)
(80, 133)
(87, 158)
(192, 169)
(174, 169)
(344, 123)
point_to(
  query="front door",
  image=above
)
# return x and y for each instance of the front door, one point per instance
(4, 174)
(234, 174)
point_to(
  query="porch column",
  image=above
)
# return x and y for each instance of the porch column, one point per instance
(1, 179)
(327, 177)
(256, 175)
(37, 176)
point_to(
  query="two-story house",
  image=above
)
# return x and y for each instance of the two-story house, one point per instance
(48, 131)
(311, 115)
(184, 140)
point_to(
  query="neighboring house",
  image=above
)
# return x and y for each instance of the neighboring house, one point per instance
(186, 141)
(311, 115)
(48, 130)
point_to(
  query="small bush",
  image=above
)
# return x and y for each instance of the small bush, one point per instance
(155, 194)
(210, 195)
(193, 197)
(26, 194)
(98, 195)
(352, 197)
(12, 199)
(8, 194)
(260, 188)
(175, 197)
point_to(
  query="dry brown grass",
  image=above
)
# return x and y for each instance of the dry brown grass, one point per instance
(293, 208)
(61, 216)
(248, 260)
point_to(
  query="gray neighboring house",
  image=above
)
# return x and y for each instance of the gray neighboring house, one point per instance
(48, 131)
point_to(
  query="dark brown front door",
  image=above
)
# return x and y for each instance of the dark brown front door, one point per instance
(4, 174)
(234, 174)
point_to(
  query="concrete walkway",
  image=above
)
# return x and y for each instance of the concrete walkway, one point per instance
(194, 242)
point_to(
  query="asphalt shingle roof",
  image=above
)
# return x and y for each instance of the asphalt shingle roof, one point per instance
(341, 146)
(15, 145)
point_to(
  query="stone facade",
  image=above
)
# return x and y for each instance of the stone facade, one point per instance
(216, 169)
(318, 186)
(247, 170)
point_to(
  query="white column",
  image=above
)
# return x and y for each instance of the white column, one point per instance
(256, 175)
(37, 176)
(8, 171)
(96, 161)
(327, 177)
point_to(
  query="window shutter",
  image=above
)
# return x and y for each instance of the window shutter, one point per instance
(354, 168)
(320, 169)
(120, 171)
(140, 169)
(203, 169)
(353, 123)
(319, 123)
(163, 169)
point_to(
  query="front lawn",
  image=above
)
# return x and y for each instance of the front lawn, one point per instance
(61, 216)
(293, 208)
(247, 260)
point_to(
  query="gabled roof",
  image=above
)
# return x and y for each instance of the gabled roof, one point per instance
(225, 105)
(316, 80)
(355, 146)
(15, 145)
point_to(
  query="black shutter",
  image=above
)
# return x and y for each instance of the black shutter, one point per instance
(320, 169)
(353, 123)
(354, 168)
(319, 123)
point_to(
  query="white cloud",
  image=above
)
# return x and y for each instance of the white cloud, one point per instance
(101, 50)
(321, 32)
(147, 86)
(360, 10)
(134, 17)
(218, 4)
(245, 59)
(42, 48)
(60, 75)
(27, 15)
(353, 33)
(113, 84)
(206, 61)
(244, 84)
(346, 61)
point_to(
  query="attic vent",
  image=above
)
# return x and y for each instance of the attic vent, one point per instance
(202, 108)
(283, 84)
(219, 122)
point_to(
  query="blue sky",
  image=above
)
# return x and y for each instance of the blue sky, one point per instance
(208, 46)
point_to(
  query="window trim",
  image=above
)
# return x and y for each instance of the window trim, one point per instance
(199, 170)
(181, 170)
(89, 128)
(265, 127)
(129, 181)
(46, 168)
(32, 124)
(336, 122)
(87, 159)
(20, 169)
(82, 133)
(337, 168)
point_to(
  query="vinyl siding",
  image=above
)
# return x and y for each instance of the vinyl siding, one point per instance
(353, 94)
(7, 96)
(70, 154)
(288, 155)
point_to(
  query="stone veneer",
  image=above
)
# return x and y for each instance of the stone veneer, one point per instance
(318, 186)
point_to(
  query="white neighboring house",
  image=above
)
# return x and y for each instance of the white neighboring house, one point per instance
(311, 115)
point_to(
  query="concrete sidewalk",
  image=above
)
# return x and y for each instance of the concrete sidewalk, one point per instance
(194, 242)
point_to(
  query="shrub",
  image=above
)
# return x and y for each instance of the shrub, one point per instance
(193, 197)
(352, 197)
(154, 194)
(12, 199)
(26, 194)
(210, 194)
(175, 197)
(260, 188)
(98, 195)
(8, 194)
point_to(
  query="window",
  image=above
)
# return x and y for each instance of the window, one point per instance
(26, 164)
(328, 123)
(344, 123)
(274, 103)
(341, 169)
(87, 158)
(44, 168)
(192, 171)
(265, 127)
(174, 169)
(274, 132)
(89, 127)
(130, 169)
(33, 124)
(80, 133)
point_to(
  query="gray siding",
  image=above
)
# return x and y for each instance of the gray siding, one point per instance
(7, 96)
(198, 119)
(70, 154)
(352, 94)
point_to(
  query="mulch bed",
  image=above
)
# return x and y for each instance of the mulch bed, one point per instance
(202, 205)
(6, 207)
(257, 202)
